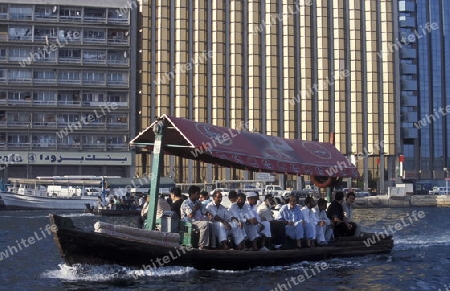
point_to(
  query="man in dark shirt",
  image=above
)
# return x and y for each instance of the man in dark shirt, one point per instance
(335, 213)
(177, 200)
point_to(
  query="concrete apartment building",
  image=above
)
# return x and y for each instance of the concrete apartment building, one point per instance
(67, 87)
(296, 69)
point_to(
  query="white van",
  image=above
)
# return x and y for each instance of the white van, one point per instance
(440, 191)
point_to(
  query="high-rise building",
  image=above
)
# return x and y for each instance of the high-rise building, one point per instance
(298, 69)
(67, 87)
(425, 94)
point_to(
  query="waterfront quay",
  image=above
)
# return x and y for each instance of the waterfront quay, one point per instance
(386, 201)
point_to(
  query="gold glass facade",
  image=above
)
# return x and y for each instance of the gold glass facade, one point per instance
(297, 69)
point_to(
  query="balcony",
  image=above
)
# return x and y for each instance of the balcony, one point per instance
(118, 37)
(69, 81)
(94, 15)
(68, 103)
(100, 145)
(94, 57)
(19, 80)
(44, 102)
(122, 125)
(46, 13)
(69, 60)
(115, 17)
(44, 124)
(88, 82)
(70, 13)
(94, 36)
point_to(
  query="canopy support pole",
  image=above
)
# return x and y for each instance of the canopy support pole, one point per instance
(157, 157)
(329, 189)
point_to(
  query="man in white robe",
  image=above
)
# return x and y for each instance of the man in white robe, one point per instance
(348, 211)
(324, 231)
(264, 226)
(246, 219)
(222, 222)
(310, 217)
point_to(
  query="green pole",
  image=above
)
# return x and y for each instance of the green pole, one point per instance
(329, 194)
(157, 156)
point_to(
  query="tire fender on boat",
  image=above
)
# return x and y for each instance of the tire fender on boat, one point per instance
(325, 181)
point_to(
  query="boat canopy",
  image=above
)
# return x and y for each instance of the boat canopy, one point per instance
(241, 149)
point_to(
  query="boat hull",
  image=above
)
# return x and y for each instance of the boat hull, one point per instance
(19, 201)
(78, 246)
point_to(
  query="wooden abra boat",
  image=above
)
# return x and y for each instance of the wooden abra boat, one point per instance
(226, 147)
(78, 246)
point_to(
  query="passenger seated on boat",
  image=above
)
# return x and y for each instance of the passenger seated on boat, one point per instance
(348, 211)
(99, 202)
(191, 211)
(246, 220)
(264, 230)
(177, 200)
(292, 217)
(204, 199)
(232, 196)
(324, 231)
(111, 204)
(222, 226)
(161, 207)
(335, 213)
(142, 201)
(310, 218)
(276, 227)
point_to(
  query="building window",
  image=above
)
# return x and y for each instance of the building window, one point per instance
(94, 56)
(19, 75)
(94, 78)
(69, 77)
(94, 35)
(21, 12)
(69, 98)
(118, 78)
(70, 13)
(44, 98)
(46, 12)
(20, 33)
(44, 76)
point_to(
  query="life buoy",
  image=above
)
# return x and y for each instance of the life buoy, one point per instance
(323, 181)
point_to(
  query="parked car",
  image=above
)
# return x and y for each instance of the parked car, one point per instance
(440, 191)
(224, 191)
(358, 192)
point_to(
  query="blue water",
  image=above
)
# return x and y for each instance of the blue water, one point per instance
(420, 260)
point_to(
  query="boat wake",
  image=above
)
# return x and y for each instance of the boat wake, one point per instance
(77, 215)
(104, 273)
(420, 241)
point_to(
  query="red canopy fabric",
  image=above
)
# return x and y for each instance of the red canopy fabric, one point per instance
(246, 150)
